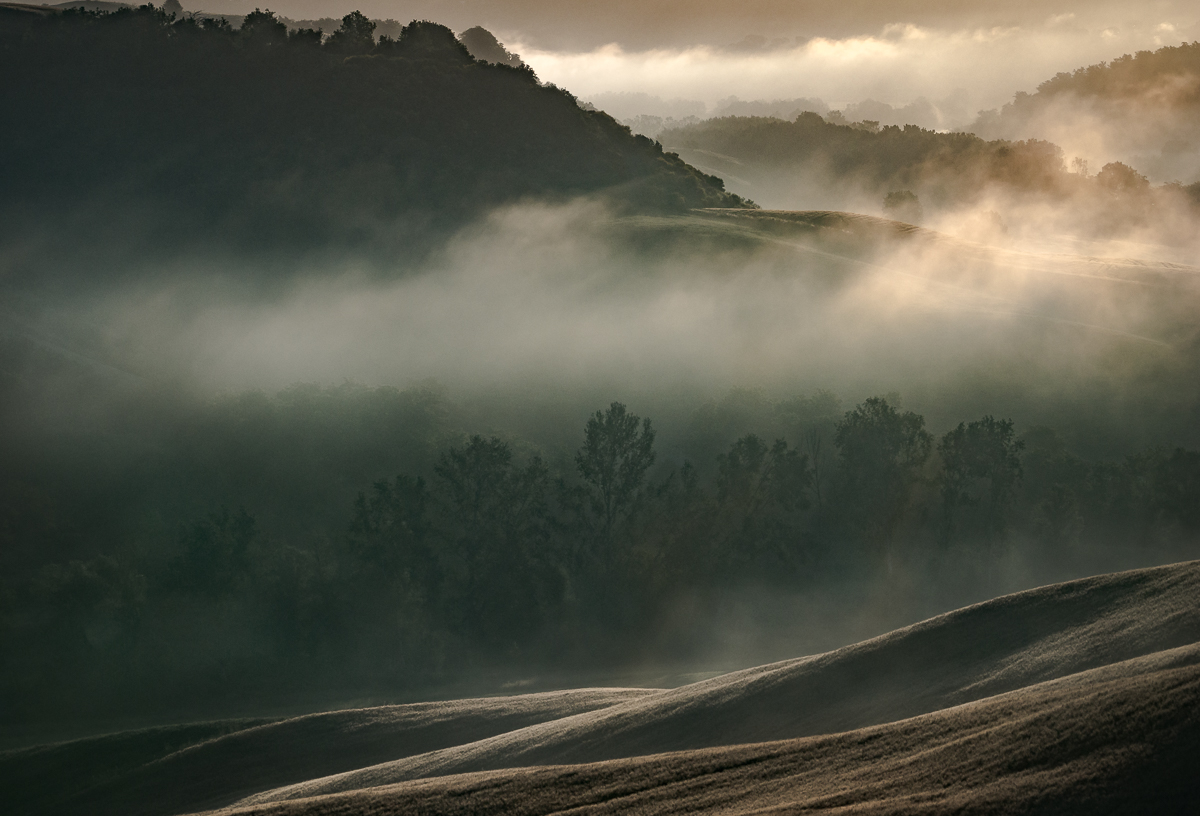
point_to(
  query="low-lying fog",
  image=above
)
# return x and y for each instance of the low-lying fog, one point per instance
(551, 299)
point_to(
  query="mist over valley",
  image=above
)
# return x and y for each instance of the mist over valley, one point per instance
(526, 411)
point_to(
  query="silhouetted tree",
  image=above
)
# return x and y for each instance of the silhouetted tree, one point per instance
(215, 554)
(484, 46)
(881, 452)
(389, 532)
(422, 39)
(1177, 489)
(262, 29)
(356, 35)
(903, 205)
(496, 521)
(618, 449)
(1121, 178)
(758, 492)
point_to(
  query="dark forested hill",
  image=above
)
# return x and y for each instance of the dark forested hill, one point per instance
(186, 134)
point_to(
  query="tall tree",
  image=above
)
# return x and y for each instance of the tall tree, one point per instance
(881, 452)
(618, 449)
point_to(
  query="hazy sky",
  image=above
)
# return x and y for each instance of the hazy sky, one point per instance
(639, 24)
(963, 55)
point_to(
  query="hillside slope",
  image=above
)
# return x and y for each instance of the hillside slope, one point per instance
(1118, 739)
(144, 137)
(1079, 697)
(1141, 108)
(971, 654)
(221, 767)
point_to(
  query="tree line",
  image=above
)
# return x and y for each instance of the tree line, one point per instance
(495, 557)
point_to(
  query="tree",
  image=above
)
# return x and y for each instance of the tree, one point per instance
(881, 452)
(1121, 178)
(484, 46)
(356, 35)
(1177, 489)
(903, 205)
(981, 466)
(422, 39)
(618, 449)
(752, 477)
(263, 29)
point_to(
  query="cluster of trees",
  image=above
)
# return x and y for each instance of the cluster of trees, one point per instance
(493, 554)
(190, 136)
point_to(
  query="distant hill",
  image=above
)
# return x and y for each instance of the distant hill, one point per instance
(134, 132)
(815, 163)
(1143, 109)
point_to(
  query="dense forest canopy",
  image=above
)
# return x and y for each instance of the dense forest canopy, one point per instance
(186, 135)
(368, 538)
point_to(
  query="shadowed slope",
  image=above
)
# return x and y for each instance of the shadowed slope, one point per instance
(31, 779)
(970, 654)
(1117, 739)
(224, 768)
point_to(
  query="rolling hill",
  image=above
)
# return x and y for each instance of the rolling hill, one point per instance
(1072, 698)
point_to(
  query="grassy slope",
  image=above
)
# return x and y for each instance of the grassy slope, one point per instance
(1118, 739)
(973, 653)
(166, 770)
(1073, 698)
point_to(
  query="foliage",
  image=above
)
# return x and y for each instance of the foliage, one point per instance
(613, 461)
(485, 553)
(881, 452)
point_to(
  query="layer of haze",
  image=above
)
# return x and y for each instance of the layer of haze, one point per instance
(569, 303)
(960, 71)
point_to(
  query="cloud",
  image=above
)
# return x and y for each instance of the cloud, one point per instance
(896, 65)
(555, 301)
